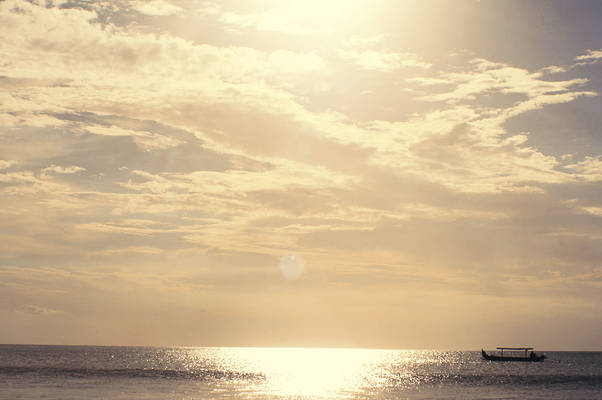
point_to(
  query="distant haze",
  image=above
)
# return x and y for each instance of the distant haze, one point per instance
(390, 174)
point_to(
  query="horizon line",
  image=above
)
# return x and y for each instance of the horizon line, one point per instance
(279, 347)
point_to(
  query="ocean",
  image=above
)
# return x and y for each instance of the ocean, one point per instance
(189, 373)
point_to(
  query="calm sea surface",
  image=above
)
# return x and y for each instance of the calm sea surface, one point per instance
(87, 372)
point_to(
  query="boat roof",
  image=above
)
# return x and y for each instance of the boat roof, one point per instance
(514, 348)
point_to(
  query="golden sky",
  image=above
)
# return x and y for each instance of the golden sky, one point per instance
(393, 174)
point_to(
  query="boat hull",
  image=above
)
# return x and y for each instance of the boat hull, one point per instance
(491, 357)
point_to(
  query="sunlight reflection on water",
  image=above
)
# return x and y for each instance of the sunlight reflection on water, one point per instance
(318, 372)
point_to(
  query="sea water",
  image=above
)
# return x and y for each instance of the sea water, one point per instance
(90, 372)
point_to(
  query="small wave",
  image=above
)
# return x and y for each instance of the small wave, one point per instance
(207, 374)
(515, 380)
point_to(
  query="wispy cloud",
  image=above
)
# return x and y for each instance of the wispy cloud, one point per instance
(383, 61)
(156, 7)
(311, 18)
(591, 55)
(38, 310)
(57, 169)
(4, 164)
(489, 77)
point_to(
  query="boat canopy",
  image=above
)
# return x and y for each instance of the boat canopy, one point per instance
(515, 348)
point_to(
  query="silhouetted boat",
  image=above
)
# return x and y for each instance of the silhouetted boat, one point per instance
(530, 355)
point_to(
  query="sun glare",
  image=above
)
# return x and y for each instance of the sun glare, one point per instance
(315, 372)
(320, 17)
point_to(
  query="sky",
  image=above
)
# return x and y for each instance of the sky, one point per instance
(384, 174)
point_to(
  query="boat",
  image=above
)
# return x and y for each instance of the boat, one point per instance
(530, 355)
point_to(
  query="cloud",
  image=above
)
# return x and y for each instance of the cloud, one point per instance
(270, 21)
(120, 229)
(164, 61)
(488, 77)
(360, 51)
(251, 109)
(383, 61)
(38, 310)
(130, 250)
(591, 55)
(147, 141)
(364, 41)
(589, 169)
(428, 81)
(310, 18)
(554, 69)
(4, 164)
(57, 169)
(156, 7)
(597, 211)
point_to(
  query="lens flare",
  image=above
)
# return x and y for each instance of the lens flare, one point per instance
(291, 266)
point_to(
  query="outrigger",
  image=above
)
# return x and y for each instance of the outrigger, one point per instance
(530, 355)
